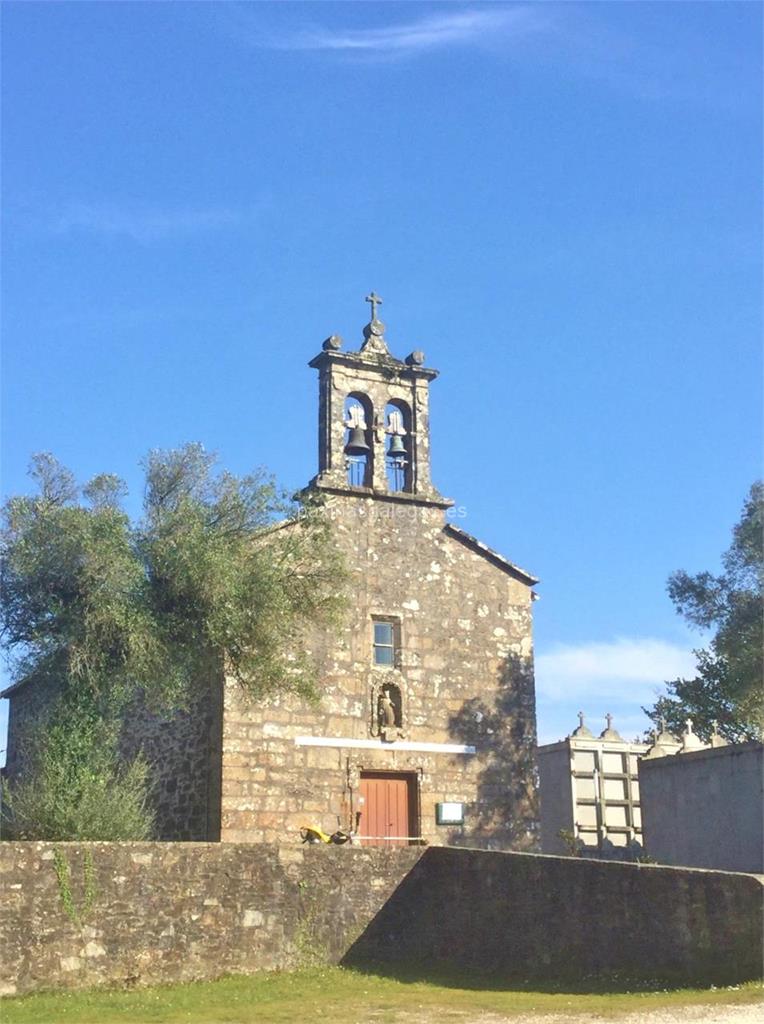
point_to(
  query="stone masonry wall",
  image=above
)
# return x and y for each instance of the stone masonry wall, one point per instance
(166, 912)
(183, 753)
(182, 750)
(28, 708)
(465, 674)
(567, 918)
(147, 913)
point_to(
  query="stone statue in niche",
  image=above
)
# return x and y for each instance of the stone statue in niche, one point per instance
(388, 713)
(386, 710)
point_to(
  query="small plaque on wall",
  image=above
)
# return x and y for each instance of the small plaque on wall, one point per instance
(449, 814)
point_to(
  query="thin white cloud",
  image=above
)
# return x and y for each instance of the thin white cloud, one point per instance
(633, 668)
(451, 28)
(143, 223)
(572, 37)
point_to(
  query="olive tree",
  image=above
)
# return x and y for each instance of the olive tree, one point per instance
(218, 567)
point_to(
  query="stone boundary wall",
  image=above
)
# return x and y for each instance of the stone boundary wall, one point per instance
(705, 809)
(164, 912)
(569, 918)
(122, 914)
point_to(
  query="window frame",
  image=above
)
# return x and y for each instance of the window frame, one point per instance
(394, 646)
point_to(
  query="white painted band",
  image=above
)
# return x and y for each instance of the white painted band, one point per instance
(338, 741)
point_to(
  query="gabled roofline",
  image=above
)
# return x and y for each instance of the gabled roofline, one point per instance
(15, 686)
(492, 556)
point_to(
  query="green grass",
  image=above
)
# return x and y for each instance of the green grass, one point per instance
(337, 994)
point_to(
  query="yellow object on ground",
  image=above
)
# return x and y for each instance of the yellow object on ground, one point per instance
(313, 834)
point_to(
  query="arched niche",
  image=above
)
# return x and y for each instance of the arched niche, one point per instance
(399, 453)
(391, 706)
(387, 712)
(358, 420)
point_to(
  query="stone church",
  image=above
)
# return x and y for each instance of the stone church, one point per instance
(425, 731)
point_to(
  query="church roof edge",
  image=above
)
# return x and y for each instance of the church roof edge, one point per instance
(10, 690)
(492, 556)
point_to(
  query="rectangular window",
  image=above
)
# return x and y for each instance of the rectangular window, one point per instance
(384, 643)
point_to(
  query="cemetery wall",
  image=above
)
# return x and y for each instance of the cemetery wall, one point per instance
(705, 808)
(125, 914)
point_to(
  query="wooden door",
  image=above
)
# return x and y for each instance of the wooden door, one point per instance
(386, 811)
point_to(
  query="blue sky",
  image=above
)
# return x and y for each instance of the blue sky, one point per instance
(560, 204)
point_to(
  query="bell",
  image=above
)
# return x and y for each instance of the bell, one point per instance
(397, 449)
(357, 442)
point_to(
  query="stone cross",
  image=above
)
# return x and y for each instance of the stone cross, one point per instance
(375, 301)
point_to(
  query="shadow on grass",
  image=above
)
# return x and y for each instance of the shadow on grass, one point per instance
(492, 981)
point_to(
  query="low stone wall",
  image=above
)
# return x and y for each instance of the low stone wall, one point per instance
(149, 913)
(520, 915)
(78, 915)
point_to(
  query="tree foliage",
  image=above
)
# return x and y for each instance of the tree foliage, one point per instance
(217, 566)
(235, 569)
(728, 685)
(218, 569)
(73, 598)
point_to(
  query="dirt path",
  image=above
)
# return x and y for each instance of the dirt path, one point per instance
(740, 1014)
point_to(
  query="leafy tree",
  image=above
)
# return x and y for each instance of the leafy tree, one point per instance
(236, 570)
(73, 597)
(728, 685)
(219, 569)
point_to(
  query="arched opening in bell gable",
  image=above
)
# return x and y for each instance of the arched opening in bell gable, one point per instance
(398, 446)
(358, 419)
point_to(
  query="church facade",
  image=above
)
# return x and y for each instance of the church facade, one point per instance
(425, 729)
(426, 726)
